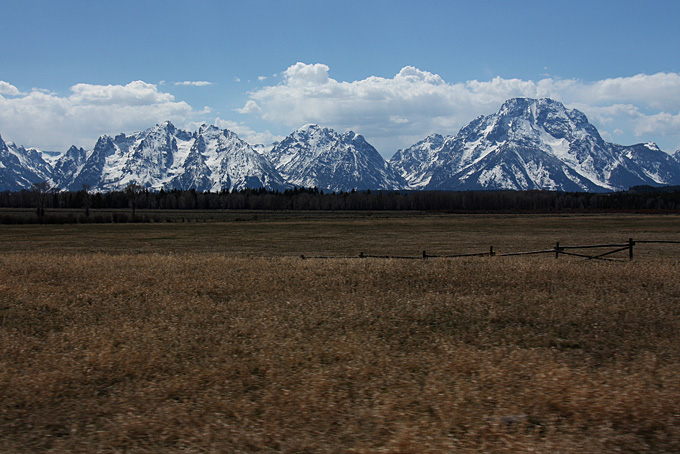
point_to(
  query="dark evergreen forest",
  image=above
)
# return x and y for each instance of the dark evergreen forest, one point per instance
(639, 199)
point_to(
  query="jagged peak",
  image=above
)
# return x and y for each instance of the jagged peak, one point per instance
(166, 126)
(351, 135)
(434, 138)
(105, 138)
(310, 127)
(541, 111)
(205, 127)
(432, 141)
(514, 106)
(652, 146)
(313, 129)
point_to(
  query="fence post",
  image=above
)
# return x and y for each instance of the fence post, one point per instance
(361, 255)
(631, 243)
(424, 255)
(491, 252)
(557, 249)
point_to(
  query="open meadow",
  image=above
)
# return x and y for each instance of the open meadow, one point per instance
(216, 336)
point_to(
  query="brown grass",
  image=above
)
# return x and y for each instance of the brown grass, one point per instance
(292, 234)
(131, 351)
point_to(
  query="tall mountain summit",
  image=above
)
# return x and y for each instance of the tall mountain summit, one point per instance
(532, 144)
(319, 157)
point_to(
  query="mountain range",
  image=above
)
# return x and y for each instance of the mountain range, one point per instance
(527, 144)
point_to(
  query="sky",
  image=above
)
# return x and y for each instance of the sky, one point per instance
(392, 71)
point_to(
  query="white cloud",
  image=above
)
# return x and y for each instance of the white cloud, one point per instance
(246, 133)
(662, 123)
(656, 91)
(197, 83)
(395, 112)
(137, 93)
(301, 74)
(261, 78)
(49, 121)
(237, 79)
(250, 107)
(391, 112)
(8, 89)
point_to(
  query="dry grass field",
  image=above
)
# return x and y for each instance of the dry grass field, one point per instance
(216, 337)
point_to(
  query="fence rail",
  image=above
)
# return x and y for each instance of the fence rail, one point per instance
(557, 250)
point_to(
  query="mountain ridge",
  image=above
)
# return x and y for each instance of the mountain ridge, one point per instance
(527, 144)
(533, 144)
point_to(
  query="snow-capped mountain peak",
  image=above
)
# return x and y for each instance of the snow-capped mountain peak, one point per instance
(313, 156)
(165, 157)
(527, 144)
(21, 167)
(652, 146)
(531, 144)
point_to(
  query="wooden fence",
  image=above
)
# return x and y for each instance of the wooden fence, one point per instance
(600, 251)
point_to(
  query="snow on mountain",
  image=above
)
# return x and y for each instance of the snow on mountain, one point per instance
(67, 166)
(21, 167)
(164, 157)
(646, 164)
(532, 144)
(231, 163)
(263, 149)
(413, 163)
(313, 156)
(527, 144)
(50, 157)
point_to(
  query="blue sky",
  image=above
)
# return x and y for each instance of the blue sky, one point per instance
(394, 71)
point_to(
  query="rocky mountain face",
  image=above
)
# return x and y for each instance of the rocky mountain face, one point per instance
(21, 167)
(319, 157)
(414, 163)
(532, 144)
(164, 157)
(527, 144)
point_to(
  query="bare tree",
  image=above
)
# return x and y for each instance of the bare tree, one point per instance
(133, 192)
(86, 199)
(41, 190)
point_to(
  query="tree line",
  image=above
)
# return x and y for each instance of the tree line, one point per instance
(134, 197)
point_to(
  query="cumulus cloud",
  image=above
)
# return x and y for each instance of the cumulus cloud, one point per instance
(8, 89)
(391, 112)
(137, 93)
(301, 74)
(250, 107)
(49, 121)
(663, 123)
(197, 83)
(395, 112)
